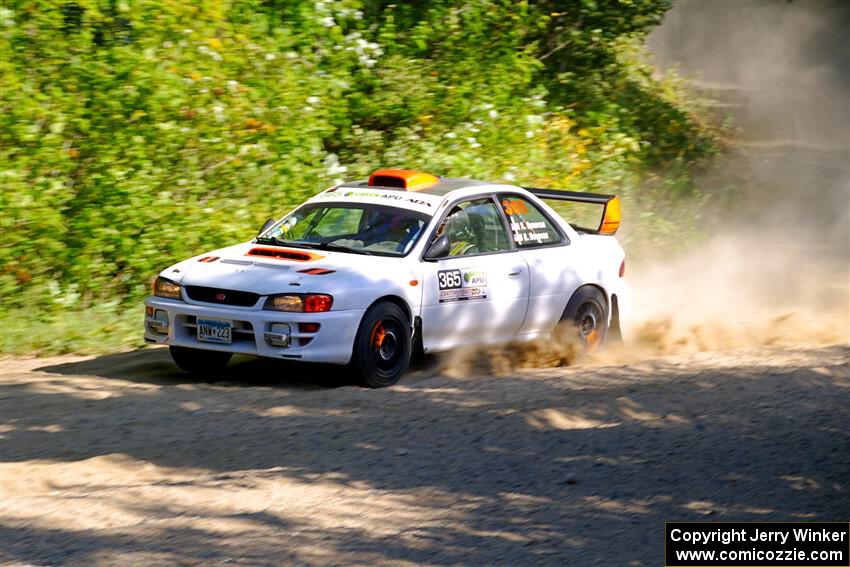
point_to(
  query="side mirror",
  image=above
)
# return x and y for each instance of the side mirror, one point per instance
(266, 226)
(440, 248)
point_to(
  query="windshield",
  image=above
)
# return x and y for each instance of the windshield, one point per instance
(349, 227)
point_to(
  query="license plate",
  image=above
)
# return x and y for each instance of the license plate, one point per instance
(212, 331)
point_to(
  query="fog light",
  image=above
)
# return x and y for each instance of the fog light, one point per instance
(282, 328)
(278, 335)
(158, 322)
(308, 327)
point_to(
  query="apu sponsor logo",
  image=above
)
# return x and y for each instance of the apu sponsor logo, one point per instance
(473, 278)
(460, 284)
(380, 195)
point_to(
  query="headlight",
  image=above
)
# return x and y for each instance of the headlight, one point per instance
(309, 303)
(284, 303)
(166, 288)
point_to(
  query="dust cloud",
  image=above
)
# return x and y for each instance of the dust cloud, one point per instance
(502, 359)
(738, 291)
(773, 269)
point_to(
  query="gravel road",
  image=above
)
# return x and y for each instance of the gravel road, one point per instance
(120, 459)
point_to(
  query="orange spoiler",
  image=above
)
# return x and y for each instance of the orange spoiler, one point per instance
(610, 221)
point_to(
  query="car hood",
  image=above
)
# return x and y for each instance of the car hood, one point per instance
(278, 269)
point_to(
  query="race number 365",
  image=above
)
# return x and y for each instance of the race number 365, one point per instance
(449, 279)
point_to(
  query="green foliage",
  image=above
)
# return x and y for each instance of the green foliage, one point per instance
(136, 133)
(100, 328)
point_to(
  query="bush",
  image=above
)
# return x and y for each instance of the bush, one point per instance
(138, 133)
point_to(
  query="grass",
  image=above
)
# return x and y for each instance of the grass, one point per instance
(95, 330)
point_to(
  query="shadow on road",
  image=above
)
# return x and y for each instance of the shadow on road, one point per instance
(523, 469)
(154, 366)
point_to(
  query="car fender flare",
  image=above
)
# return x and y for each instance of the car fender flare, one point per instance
(398, 300)
(612, 312)
(601, 289)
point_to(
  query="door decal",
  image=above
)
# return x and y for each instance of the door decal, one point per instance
(462, 284)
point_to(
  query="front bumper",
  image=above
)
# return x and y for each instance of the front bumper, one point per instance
(332, 343)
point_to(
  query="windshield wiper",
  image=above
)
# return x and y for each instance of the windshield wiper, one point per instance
(268, 240)
(314, 245)
(334, 247)
(276, 242)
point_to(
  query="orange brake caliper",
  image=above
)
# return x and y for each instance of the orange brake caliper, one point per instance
(378, 334)
(593, 339)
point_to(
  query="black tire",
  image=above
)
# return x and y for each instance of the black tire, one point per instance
(586, 318)
(382, 346)
(197, 361)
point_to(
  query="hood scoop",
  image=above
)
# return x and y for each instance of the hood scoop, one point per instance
(284, 254)
(258, 263)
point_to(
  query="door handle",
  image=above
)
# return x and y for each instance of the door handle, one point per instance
(515, 273)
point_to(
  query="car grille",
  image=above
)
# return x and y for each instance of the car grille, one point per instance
(222, 296)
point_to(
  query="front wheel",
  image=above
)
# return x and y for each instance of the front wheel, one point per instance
(382, 346)
(197, 361)
(586, 316)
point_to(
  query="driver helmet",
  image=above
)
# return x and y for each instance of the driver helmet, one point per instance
(458, 227)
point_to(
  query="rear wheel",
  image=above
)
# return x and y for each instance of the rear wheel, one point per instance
(586, 318)
(197, 361)
(382, 346)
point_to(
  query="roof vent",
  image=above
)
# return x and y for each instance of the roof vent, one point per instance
(406, 179)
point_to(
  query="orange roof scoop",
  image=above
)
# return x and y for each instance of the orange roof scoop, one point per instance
(406, 179)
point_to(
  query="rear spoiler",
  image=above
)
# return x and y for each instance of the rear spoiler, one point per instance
(610, 221)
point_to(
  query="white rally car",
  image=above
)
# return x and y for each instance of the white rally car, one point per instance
(370, 272)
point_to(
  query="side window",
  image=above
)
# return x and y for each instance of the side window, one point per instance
(529, 225)
(474, 227)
